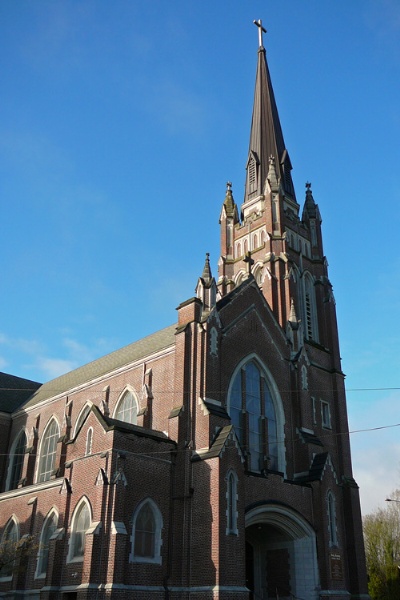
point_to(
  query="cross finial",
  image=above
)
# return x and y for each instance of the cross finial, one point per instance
(228, 186)
(308, 185)
(261, 29)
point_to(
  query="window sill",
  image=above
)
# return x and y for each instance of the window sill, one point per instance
(146, 560)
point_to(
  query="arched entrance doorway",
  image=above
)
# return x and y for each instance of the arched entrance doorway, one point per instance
(281, 561)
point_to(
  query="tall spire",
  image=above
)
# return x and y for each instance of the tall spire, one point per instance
(266, 138)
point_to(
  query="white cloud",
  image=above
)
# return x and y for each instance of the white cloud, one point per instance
(53, 367)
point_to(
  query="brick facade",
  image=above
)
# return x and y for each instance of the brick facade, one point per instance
(210, 460)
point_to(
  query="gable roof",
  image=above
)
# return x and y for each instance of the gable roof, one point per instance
(148, 345)
(14, 391)
(218, 445)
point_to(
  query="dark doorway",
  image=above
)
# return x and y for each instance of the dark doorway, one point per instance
(278, 573)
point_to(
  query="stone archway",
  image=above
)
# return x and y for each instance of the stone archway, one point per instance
(281, 560)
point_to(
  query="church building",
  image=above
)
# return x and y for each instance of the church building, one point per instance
(210, 460)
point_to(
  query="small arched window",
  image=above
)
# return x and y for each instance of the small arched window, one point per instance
(89, 441)
(48, 529)
(146, 533)
(332, 526)
(127, 408)
(48, 451)
(16, 461)
(9, 542)
(81, 521)
(231, 501)
(304, 378)
(255, 241)
(238, 250)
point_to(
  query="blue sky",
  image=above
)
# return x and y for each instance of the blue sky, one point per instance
(121, 123)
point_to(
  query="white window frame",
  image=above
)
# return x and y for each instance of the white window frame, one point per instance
(11, 525)
(13, 458)
(121, 400)
(89, 441)
(276, 400)
(231, 503)
(41, 450)
(158, 521)
(52, 516)
(326, 415)
(72, 555)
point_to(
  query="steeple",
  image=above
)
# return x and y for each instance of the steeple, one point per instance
(206, 289)
(266, 138)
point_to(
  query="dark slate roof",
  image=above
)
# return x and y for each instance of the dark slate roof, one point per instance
(14, 391)
(309, 438)
(216, 447)
(316, 470)
(318, 466)
(215, 409)
(129, 429)
(149, 345)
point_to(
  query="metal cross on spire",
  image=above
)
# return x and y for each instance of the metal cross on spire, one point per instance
(261, 29)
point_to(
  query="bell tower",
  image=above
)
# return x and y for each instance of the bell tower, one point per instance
(286, 250)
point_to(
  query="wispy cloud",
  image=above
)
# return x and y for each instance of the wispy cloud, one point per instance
(178, 109)
(376, 452)
(47, 364)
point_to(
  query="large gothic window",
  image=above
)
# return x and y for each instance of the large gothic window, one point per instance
(16, 461)
(253, 415)
(127, 408)
(48, 451)
(146, 533)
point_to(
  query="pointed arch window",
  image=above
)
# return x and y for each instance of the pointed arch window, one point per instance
(9, 542)
(231, 509)
(146, 533)
(81, 521)
(48, 529)
(253, 414)
(252, 168)
(48, 451)
(89, 441)
(127, 408)
(16, 461)
(332, 525)
(310, 315)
